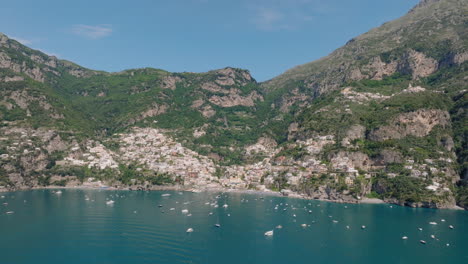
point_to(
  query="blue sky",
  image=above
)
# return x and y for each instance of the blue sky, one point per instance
(265, 37)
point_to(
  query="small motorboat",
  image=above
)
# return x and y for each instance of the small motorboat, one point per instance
(217, 225)
(110, 202)
(269, 233)
(422, 241)
(404, 238)
(190, 230)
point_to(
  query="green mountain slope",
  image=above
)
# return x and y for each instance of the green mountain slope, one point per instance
(383, 116)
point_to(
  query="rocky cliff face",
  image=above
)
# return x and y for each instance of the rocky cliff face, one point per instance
(384, 116)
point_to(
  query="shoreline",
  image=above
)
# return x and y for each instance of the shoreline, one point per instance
(365, 200)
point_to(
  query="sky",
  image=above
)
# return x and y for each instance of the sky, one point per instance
(266, 37)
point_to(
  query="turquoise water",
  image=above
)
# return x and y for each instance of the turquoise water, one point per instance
(50, 228)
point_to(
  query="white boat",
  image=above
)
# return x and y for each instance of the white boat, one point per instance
(279, 226)
(110, 202)
(420, 229)
(404, 238)
(335, 221)
(363, 227)
(451, 226)
(304, 225)
(184, 211)
(422, 241)
(190, 230)
(225, 206)
(269, 233)
(165, 194)
(432, 236)
(58, 192)
(10, 212)
(432, 223)
(217, 225)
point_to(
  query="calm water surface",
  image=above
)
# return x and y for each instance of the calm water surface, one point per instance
(69, 228)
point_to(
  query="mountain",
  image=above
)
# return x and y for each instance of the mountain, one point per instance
(382, 117)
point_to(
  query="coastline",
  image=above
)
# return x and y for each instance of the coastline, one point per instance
(364, 200)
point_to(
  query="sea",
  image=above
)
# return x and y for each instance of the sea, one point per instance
(107, 226)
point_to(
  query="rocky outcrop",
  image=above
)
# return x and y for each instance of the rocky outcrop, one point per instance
(207, 111)
(354, 132)
(33, 72)
(236, 100)
(170, 82)
(230, 76)
(418, 123)
(154, 110)
(377, 69)
(460, 58)
(417, 64)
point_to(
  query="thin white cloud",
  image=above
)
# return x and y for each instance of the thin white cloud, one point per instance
(92, 32)
(22, 40)
(273, 15)
(267, 18)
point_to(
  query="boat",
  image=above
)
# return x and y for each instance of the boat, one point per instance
(304, 225)
(225, 206)
(217, 225)
(420, 229)
(432, 223)
(269, 233)
(110, 202)
(432, 236)
(335, 221)
(160, 206)
(422, 241)
(184, 211)
(190, 230)
(363, 227)
(279, 226)
(404, 238)
(165, 194)
(58, 192)
(10, 212)
(451, 226)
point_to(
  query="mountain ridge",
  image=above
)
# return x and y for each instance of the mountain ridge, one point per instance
(383, 116)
